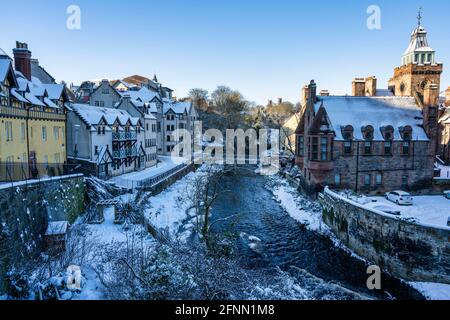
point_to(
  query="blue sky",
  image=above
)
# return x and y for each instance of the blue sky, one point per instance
(265, 49)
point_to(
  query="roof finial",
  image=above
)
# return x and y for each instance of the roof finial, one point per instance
(419, 17)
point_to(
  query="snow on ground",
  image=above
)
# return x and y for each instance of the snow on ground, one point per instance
(108, 232)
(445, 171)
(428, 210)
(92, 287)
(165, 163)
(169, 209)
(297, 206)
(432, 291)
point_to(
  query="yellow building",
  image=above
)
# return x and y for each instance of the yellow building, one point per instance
(32, 121)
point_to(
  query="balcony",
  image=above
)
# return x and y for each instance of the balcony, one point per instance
(125, 153)
(12, 111)
(124, 136)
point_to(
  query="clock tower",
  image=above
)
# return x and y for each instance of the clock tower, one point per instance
(419, 67)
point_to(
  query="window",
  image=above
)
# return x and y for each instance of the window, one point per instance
(105, 91)
(404, 181)
(99, 130)
(301, 146)
(388, 148)
(379, 179)
(168, 138)
(337, 180)
(56, 133)
(347, 147)
(22, 131)
(405, 148)
(315, 149)
(96, 150)
(367, 147)
(44, 133)
(153, 127)
(9, 131)
(367, 180)
(324, 149)
(146, 127)
(57, 158)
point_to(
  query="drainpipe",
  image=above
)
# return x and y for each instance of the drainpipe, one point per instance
(357, 167)
(28, 142)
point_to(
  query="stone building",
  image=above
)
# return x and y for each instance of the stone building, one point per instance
(419, 67)
(375, 140)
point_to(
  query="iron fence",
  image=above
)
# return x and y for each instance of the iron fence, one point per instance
(14, 172)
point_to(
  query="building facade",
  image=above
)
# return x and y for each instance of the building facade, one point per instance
(33, 120)
(375, 140)
(106, 142)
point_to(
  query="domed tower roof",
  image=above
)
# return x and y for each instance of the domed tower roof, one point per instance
(419, 50)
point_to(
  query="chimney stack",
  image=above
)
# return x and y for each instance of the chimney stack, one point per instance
(305, 95)
(371, 86)
(22, 59)
(431, 95)
(359, 87)
(270, 103)
(447, 97)
(280, 100)
(312, 88)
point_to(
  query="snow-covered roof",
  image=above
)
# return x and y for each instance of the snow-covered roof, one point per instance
(377, 112)
(177, 107)
(5, 64)
(141, 96)
(57, 228)
(419, 41)
(92, 115)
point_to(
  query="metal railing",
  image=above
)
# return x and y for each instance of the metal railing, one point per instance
(151, 182)
(124, 136)
(14, 172)
(125, 153)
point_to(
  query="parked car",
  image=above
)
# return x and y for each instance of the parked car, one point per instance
(447, 194)
(400, 198)
(388, 210)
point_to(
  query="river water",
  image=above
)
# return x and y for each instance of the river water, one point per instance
(326, 271)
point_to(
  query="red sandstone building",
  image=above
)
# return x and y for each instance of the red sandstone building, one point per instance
(375, 140)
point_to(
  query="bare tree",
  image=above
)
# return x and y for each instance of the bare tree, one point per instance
(202, 194)
(199, 97)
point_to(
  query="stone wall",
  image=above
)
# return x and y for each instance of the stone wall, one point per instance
(404, 249)
(25, 210)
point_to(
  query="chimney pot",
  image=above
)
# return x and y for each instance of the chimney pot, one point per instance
(358, 87)
(22, 59)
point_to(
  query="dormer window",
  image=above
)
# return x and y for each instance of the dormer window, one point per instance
(347, 134)
(406, 133)
(367, 132)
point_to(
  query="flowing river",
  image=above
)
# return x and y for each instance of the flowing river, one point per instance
(321, 268)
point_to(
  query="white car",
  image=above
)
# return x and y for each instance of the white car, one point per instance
(400, 198)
